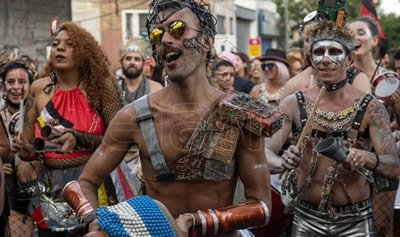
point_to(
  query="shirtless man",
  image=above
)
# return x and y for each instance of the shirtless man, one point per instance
(133, 83)
(182, 36)
(306, 79)
(332, 198)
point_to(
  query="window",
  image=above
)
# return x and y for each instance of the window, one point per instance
(142, 24)
(133, 24)
(231, 26)
(128, 26)
(221, 25)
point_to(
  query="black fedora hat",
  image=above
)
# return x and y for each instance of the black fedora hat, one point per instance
(274, 54)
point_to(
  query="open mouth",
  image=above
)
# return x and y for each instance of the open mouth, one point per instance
(357, 47)
(172, 55)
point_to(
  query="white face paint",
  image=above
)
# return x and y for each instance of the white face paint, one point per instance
(333, 50)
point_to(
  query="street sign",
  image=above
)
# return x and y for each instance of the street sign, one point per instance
(254, 47)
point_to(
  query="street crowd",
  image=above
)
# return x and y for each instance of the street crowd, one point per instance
(193, 142)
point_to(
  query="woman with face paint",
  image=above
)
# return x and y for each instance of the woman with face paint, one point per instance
(366, 40)
(20, 175)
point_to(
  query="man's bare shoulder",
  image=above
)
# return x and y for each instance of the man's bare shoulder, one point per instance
(154, 86)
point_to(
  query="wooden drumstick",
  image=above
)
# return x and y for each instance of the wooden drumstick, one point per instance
(310, 116)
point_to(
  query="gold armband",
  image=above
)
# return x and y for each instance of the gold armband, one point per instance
(243, 216)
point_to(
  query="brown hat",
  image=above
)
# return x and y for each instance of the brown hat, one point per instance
(274, 54)
(130, 48)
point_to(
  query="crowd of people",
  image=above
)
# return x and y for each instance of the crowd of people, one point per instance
(222, 144)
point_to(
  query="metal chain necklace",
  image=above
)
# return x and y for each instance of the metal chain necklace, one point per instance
(329, 120)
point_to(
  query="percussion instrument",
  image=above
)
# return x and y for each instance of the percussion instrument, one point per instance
(385, 84)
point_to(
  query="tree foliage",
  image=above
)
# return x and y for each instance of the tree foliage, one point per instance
(391, 27)
(298, 9)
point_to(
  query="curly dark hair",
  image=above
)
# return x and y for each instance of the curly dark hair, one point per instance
(96, 78)
(200, 8)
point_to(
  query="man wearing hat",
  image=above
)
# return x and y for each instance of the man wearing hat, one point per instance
(133, 83)
(275, 71)
(328, 196)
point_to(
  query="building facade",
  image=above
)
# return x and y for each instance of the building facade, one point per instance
(25, 24)
(242, 20)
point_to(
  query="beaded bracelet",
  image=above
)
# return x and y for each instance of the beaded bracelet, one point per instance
(377, 162)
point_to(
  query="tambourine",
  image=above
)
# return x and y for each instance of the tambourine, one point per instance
(14, 123)
(384, 85)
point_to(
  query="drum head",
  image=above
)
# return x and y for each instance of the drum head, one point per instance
(386, 85)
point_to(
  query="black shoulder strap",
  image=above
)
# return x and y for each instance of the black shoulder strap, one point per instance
(360, 113)
(300, 102)
(144, 118)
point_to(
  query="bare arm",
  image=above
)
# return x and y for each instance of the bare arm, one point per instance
(276, 142)
(109, 154)
(5, 153)
(2, 189)
(24, 145)
(253, 168)
(383, 142)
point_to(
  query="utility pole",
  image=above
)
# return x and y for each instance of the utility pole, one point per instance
(286, 26)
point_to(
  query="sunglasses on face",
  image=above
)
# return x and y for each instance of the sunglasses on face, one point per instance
(176, 29)
(270, 66)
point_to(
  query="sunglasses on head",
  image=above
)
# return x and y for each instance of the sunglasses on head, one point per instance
(176, 29)
(270, 66)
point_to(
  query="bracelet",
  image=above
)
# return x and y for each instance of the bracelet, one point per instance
(203, 223)
(377, 162)
(193, 219)
(215, 220)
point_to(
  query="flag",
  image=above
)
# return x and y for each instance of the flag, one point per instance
(368, 9)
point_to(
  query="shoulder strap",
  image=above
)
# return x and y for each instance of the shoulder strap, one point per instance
(360, 113)
(144, 118)
(300, 102)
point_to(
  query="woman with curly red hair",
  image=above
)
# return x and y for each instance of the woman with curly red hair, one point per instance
(77, 98)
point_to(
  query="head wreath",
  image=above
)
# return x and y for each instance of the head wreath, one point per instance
(329, 30)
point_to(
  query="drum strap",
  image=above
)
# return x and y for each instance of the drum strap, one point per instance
(144, 118)
(300, 102)
(360, 113)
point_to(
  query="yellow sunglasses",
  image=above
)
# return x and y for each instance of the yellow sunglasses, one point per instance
(176, 29)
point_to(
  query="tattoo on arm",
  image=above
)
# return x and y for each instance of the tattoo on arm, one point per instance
(381, 126)
(28, 107)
